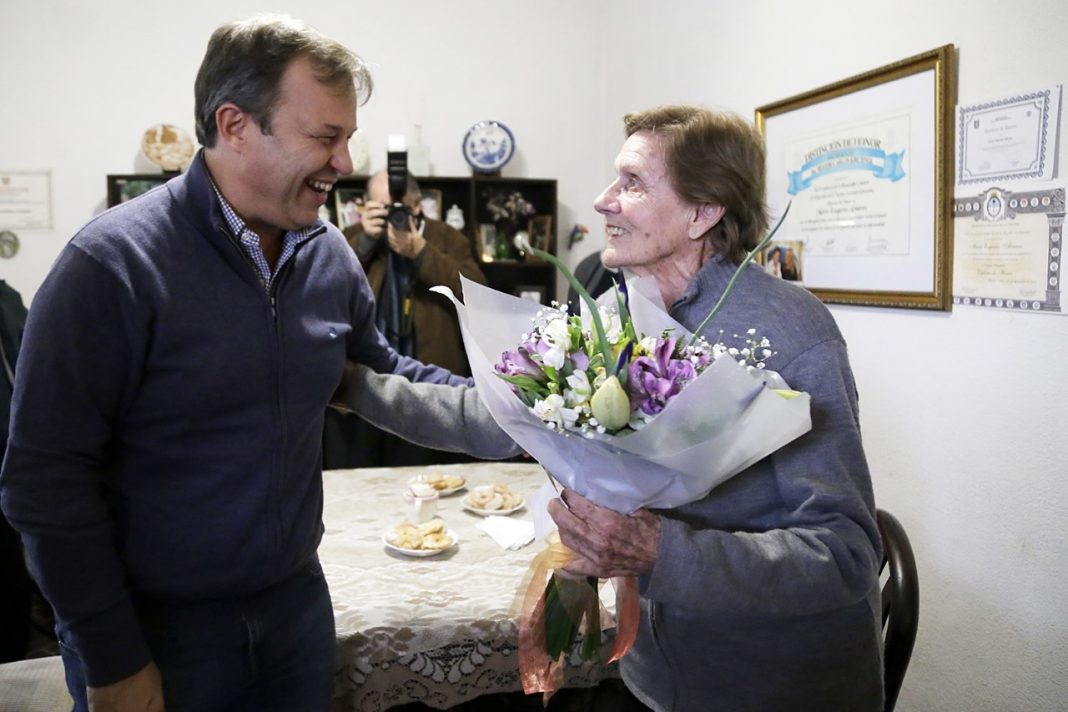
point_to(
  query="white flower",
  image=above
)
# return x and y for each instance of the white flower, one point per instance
(647, 345)
(639, 420)
(610, 404)
(580, 390)
(551, 410)
(613, 327)
(557, 338)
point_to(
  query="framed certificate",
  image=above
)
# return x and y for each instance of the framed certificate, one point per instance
(866, 164)
(1008, 250)
(1009, 139)
(26, 200)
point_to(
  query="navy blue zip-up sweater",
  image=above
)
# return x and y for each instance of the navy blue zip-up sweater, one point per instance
(167, 416)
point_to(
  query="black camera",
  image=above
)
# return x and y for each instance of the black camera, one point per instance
(397, 171)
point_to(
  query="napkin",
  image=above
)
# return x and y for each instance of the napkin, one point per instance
(509, 533)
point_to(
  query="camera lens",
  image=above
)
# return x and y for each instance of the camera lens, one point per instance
(398, 216)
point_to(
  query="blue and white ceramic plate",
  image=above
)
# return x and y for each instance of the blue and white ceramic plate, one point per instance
(488, 145)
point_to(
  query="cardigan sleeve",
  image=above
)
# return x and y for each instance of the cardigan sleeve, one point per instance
(824, 553)
(79, 366)
(437, 416)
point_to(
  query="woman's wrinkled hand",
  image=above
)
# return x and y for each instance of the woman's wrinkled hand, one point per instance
(607, 543)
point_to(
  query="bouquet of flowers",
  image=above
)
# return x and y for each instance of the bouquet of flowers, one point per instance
(627, 408)
(508, 207)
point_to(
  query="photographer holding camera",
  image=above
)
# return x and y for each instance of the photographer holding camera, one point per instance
(404, 254)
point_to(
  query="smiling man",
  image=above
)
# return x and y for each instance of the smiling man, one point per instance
(164, 463)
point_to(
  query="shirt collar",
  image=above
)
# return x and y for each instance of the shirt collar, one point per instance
(238, 227)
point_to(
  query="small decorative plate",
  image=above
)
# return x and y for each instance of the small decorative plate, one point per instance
(488, 145)
(169, 147)
(444, 491)
(9, 244)
(488, 512)
(418, 553)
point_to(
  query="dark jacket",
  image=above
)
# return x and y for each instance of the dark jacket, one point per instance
(12, 322)
(168, 414)
(446, 256)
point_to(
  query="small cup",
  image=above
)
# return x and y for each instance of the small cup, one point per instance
(422, 501)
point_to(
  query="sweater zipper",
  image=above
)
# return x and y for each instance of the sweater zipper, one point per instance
(280, 405)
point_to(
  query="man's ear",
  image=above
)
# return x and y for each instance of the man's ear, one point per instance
(233, 125)
(705, 217)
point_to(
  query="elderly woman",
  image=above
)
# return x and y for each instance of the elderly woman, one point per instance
(763, 595)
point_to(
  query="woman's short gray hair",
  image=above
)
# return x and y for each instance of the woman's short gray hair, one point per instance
(713, 157)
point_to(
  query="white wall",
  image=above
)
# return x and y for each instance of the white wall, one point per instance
(962, 411)
(82, 81)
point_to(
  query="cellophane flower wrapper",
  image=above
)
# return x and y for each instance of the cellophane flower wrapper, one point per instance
(722, 422)
(726, 419)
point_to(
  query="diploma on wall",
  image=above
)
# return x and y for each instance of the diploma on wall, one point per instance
(1008, 250)
(26, 200)
(1010, 138)
(863, 163)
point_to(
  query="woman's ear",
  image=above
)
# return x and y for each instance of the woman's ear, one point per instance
(705, 217)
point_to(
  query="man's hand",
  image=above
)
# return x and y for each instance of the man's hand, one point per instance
(141, 692)
(608, 543)
(373, 219)
(407, 243)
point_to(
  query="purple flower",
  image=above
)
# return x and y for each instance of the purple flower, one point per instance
(517, 363)
(654, 380)
(580, 360)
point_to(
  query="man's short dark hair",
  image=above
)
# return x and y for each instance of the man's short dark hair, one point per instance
(245, 61)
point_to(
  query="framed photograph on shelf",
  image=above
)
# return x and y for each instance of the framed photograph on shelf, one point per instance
(487, 242)
(122, 188)
(348, 206)
(865, 165)
(530, 292)
(541, 232)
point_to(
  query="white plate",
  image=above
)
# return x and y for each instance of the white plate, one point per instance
(418, 553)
(488, 512)
(442, 492)
(168, 146)
(488, 145)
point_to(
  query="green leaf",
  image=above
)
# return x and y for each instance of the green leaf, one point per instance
(560, 630)
(591, 642)
(526, 383)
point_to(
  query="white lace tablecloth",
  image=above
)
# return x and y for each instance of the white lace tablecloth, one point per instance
(435, 630)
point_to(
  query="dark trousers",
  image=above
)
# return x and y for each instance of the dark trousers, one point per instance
(274, 650)
(15, 596)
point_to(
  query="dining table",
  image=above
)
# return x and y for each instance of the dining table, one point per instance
(438, 630)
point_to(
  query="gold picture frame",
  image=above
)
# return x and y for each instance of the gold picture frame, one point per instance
(866, 165)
